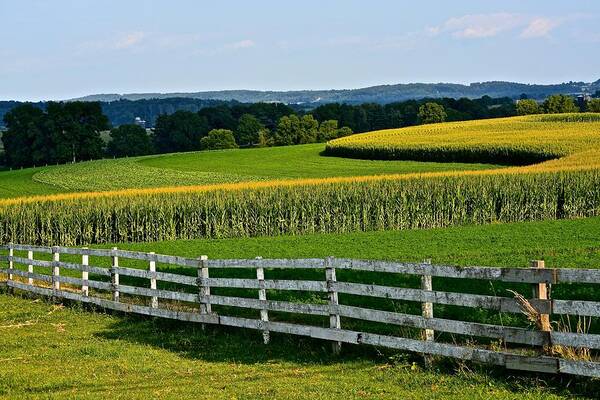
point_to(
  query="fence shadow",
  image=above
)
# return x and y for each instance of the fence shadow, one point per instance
(244, 346)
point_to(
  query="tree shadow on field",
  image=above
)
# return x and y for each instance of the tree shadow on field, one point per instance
(245, 346)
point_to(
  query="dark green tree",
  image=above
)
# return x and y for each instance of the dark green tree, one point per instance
(247, 130)
(65, 132)
(218, 139)
(430, 113)
(26, 142)
(219, 117)
(75, 129)
(180, 131)
(128, 141)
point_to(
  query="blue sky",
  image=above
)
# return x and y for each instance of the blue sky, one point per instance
(62, 49)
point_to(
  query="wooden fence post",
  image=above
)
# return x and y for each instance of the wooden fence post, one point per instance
(152, 269)
(203, 287)
(540, 292)
(114, 276)
(85, 275)
(11, 264)
(30, 267)
(55, 269)
(262, 296)
(427, 307)
(11, 253)
(334, 317)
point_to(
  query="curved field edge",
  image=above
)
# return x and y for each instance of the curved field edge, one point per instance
(224, 166)
(581, 153)
(510, 141)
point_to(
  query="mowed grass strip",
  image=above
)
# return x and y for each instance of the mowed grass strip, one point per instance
(204, 168)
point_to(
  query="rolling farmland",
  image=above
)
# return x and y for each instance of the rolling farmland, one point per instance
(563, 187)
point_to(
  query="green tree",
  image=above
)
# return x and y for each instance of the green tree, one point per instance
(264, 138)
(560, 103)
(430, 113)
(26, 141)
(64, 132)
(218, 139)
(295, 130)
(129, 140)
(593, 105)
(75, 129)
(329, 130)
(344, 131)
(180, 131)
(528, 107)
(309, 130)
(247, 130)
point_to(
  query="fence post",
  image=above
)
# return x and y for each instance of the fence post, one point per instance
(30, 267)
(152, 269)
(11, 264)
(85, 275)
(11, 253)
(334, 317)
(427, 307)
(55, 269)
(540, 292)
(262, 296)
(114, 276)
(203, 287)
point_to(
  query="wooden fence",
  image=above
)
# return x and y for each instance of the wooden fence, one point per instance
(189, 298)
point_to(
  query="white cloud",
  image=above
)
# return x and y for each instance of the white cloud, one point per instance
(242, 44)
(179, 40)
(540, 27)
(474, 26)
(129, 40)
(477, 26)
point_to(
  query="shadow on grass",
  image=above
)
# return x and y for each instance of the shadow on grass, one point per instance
(243, 346)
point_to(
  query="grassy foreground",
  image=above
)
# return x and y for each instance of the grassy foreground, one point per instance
(54, 352)
(67, 352)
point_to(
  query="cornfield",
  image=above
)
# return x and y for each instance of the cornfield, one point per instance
(511, 141)
(300, 209)
(567, 187)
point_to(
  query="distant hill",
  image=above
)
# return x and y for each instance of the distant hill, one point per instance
(376, 94)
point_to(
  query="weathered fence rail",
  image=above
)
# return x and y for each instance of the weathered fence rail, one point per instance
(188, 297)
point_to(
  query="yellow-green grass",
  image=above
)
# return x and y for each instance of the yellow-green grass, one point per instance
(204, 168)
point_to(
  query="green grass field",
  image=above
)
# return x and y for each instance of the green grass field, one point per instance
(201, 168)
(51, 352)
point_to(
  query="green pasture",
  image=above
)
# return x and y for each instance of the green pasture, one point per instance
(70, 352)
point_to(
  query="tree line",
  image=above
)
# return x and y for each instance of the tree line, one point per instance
(556, 104)
(73, 131)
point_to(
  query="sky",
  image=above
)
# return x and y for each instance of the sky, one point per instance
(62, 49)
